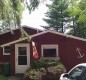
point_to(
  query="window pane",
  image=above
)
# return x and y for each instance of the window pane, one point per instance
(49, 52)
(84, 75)
(7, 49)
(22, 50)
(22, 60)
(77, 72)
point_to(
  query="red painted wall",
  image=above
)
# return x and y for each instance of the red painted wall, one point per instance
(8, 37)
(66, 46)
(73, 54)
(3, 58)
(12, 59)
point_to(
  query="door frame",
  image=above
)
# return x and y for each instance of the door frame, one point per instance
(16, 56)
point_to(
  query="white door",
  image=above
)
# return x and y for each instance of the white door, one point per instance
(22, 57)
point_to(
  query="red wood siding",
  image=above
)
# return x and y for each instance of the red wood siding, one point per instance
(12, 59)
(66, 46)
(8, 37)
(31, 31)
(72, 53)
(5, 58)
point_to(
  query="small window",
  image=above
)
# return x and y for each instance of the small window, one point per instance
(6, 50)
(49, 51)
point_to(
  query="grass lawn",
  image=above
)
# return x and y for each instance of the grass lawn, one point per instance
(9, 78)
(2, 77)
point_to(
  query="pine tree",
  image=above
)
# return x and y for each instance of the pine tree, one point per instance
(57, 15)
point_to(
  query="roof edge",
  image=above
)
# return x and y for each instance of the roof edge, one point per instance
(70, 36)
(18, 28)
(12, 42)
(38, 34)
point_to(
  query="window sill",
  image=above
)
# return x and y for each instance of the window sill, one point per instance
(50, 58)
(6, 53)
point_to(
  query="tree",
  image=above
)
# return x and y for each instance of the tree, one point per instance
(82, 16)
(74, 10)
(11, 12)
(57, 15)
(77, 10)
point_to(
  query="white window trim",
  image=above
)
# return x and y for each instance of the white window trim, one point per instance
(50, 46)
(4, 52)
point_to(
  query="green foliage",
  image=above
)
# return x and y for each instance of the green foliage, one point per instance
(80, 31)
(77, 10)
(35, 74)
(11, 12)
(45, 70)
(33, 4)
(57, 15)
(2, 77)
(37, 64)
(82, 16)
(73, 8)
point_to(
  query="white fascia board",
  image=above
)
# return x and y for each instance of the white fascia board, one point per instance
(67, 36)
(20, 39)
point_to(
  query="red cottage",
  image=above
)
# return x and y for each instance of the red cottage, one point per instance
(50, 45)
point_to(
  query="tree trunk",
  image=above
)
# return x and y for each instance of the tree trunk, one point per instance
(22, 31)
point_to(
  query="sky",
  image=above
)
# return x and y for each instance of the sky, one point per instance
(35, 18)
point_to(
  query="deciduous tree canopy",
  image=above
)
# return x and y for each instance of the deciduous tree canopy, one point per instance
(11, 13)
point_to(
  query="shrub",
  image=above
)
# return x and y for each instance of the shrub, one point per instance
(37, 64)
(45, 70)
(35, 74)
(55, 71)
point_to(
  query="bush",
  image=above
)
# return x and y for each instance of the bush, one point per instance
(37, 64)
(35, 74)
(45, 70)
(55, 71)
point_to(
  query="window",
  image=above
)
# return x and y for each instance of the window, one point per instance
(49, 51)
(84, 75)
(22, 55)
(77, 72)
(6, 50)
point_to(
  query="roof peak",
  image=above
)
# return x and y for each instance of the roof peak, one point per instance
(24, 26)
